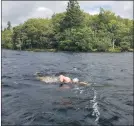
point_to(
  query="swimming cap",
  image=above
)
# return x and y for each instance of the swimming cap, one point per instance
(75, 80)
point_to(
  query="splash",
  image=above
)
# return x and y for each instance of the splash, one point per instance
(96, 112)
(48, 79)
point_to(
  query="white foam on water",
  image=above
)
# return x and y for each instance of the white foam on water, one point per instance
(48, 79)
(95, 107)
(81, 91)
(76, 88)
(75, 68)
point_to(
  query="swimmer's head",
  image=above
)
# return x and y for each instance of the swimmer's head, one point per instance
(61, 75)
(75, 80)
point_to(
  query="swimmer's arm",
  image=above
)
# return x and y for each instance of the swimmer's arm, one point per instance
(83, 83)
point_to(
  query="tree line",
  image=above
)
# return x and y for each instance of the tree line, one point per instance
(73, 30)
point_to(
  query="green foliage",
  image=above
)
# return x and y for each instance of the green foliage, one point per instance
(77, 40)
(103, 44)
(124, 46)
(115, 50)
(73, 30)
(7, 39)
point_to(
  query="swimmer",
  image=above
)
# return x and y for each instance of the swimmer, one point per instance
(62, 79)
(65, 79)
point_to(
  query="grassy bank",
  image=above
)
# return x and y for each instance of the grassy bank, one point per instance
(110, 50)
(117, 50)
(131, 50)
(41, 50)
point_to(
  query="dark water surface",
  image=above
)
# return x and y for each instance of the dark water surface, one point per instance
(28, 101)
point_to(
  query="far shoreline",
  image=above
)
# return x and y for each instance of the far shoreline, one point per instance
(55, 50)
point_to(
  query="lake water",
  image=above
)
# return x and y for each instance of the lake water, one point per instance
(108, 101)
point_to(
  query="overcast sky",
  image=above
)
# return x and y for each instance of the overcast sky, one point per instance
(19, 11)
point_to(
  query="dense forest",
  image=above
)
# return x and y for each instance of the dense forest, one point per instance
(73, 30)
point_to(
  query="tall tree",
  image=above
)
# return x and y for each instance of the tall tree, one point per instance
(74, 16)
(9, 25)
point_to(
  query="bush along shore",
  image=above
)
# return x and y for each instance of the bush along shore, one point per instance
(72, 30)
(115, 50)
